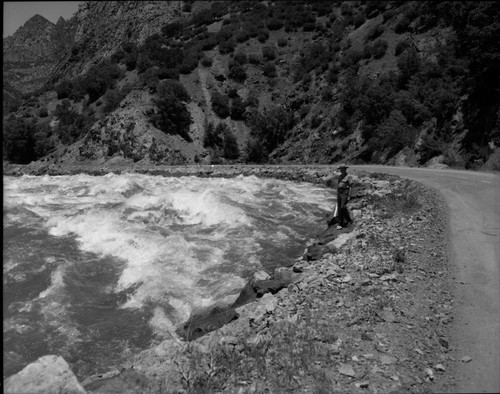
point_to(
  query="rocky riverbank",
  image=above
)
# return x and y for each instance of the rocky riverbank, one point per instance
(365, 309)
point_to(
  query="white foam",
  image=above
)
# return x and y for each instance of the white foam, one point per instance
(172, 234)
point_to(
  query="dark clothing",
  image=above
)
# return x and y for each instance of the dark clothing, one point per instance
(343, 194)
(344, 218)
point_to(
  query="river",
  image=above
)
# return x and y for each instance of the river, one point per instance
(97, 268)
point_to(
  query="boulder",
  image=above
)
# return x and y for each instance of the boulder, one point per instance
(205, 322)
(49, 374)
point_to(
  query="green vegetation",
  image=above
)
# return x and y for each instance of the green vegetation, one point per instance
(221, 142)
(419, 92)
(172, 116)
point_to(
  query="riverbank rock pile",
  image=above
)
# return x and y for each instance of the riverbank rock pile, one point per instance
(366, 309)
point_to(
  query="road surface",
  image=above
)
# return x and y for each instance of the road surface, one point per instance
(473, 199)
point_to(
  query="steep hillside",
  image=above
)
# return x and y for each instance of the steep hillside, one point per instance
(31, 52)
(104, 25)
(414, 83)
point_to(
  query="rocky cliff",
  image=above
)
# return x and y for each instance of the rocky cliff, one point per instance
(102, 26)
(31, 52)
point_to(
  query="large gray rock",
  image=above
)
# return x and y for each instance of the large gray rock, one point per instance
(47, 375)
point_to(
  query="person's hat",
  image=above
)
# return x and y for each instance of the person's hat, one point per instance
(342, 165)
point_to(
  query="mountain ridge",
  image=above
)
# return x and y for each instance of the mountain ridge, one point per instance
(321, 82)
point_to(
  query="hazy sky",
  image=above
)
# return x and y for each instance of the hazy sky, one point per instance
(17, 13)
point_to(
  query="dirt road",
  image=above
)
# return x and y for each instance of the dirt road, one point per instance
(473, 199)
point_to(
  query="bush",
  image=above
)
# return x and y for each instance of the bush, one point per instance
(43, 112)
(230, 147)
(150, 79)
(220, 105)
(172, 29)
(255, 152)
(206, 61)
(212, 138)
(282, 42)
(262, 35)
(237, 109)
(359, 19)
(367, 51)
(236, 72)
(402, 25)
(274, 24)
(254, 58)
(63, 89)
(112, 99)
(226, 47)
(401, 46)
(240, 57)
(379, 48)
(268, 52)
(18, 141)
(309, 26)
(375, 32)
(172, 116)
(345, 9)
(269, 70)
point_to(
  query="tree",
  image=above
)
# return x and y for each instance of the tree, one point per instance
(220, 104)
(172, 116)
(230, 150)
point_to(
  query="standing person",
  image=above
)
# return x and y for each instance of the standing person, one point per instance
(343, 196)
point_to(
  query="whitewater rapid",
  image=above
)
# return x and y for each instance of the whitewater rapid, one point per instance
(84, 254)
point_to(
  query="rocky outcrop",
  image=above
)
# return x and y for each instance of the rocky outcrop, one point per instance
(47, 375)
(31, 52)
(104, 25)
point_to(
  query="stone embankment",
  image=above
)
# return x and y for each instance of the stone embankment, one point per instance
(366, 308)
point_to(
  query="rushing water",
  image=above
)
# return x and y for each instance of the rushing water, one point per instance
(98, 268)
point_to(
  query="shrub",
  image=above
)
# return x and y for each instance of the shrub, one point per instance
(230, 147)
(282, 42)
(309, 26)
(99, 78)
(269, 70)
(274, 24)
(367, 51)
(262, 35)
(379, 48)
(226, 47)
(236, 72)
(401, 46)
(255, 152)
(43, 112)
(172, 116)
(254, 58)
(172, 29)
(359, 19)
(242, 36)
(206, 61)
(269, 52)
(18, 142)
(112, 97)
(212, 138)
(270, 126)
(237, 109)
(375, 32)
(150, 79)
(345, 9)
(240, 57)
(176, 88)
(220, 105)
(402, 25)
(168, 73)
(63, 89)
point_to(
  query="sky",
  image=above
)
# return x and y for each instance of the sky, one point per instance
(17, 13)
